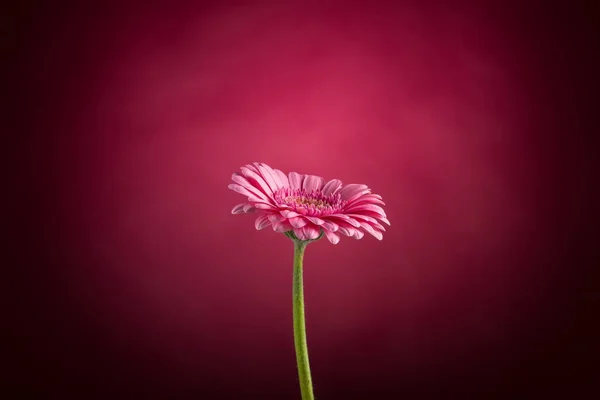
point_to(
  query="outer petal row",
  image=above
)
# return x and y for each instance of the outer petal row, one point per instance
(308, 232)
(331, 187)
(361, 212)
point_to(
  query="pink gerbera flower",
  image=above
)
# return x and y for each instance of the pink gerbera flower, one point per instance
(305, 207)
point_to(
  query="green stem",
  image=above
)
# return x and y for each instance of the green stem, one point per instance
(299, 324)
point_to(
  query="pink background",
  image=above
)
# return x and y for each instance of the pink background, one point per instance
(142, 283)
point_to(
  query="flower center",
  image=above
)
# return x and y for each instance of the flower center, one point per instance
(313, 203)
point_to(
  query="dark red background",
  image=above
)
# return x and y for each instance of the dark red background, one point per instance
(133, 280)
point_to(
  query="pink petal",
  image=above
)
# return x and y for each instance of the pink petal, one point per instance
(282, 226)
(254, 199)
(372, 231)
(276, 218)
(253, 167)
(248, 208)
(358, 195)
(342, 223)
(300, 234)
(315, 220)
(312, 182)
(289, 213)
(366, 207)
(269, 175)
(260, 182)
(350, 190)
(368, 219)
(331, 187)
(345, 218)
(283, 178)
(307, 232)
(311, 232)
(347, 231)
(297, 222)
(330, 226)
(262, 222)
(241, 190)
(361, 217)
(376, 215)
(368, 198)
(333, 237)
(295, 180)
(358, 234)
(245, 183)
(261, 205)
(239, 209)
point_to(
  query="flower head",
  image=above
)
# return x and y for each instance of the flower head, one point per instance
(306, 205)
